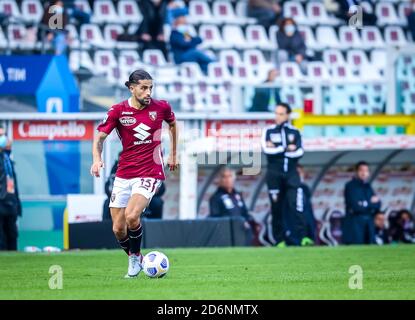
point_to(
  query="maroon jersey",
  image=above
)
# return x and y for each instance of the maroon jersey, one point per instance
(140, 134)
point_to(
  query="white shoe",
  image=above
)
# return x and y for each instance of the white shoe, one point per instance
(134, 265)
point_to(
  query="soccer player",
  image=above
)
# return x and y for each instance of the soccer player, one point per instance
(138, 122)
(282, 145)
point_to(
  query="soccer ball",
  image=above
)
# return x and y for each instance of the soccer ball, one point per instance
(155, 264)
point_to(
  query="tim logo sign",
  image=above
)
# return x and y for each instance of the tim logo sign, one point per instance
(53, 130)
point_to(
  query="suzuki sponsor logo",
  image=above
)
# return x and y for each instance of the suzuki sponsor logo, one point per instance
(127, 121)
(53, 130)
(142, 133)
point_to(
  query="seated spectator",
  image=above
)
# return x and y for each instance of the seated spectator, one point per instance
(175, 9)
(348, 8)
(265, 99)
(291, 44)
(361, 204)
(228, 202)
(151, 33)
(267, 12)
(53, 25)
(381, 232)
(74, 12)
(183, 45)
(403, 229)
(411, 20)
(155, 208)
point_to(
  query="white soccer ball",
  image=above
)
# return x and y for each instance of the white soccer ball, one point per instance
(155, 264)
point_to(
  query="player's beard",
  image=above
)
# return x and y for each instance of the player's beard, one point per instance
(144, 102)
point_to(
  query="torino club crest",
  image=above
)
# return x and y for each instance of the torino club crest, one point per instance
(152, 115)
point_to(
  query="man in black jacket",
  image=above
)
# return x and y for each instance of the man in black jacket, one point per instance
(282, 145)
(347, 8)
(228, 202)
(10, 206)
(361, 205)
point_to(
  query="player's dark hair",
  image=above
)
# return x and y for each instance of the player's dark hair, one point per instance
(286, 106)
(136, 76)
(359, 164)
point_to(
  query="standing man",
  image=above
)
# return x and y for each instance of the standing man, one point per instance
(138, 122)
(361, 205)
(282, 145)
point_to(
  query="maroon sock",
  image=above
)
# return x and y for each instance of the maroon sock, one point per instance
(125, 244)
(135, 237)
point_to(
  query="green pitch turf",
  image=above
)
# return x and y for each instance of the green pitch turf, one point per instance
(220, 273)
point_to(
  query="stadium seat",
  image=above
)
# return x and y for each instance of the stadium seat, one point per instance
(372, 38)
(378, 59)
(317, 71)
(73, 37)
(317, 14)
(91, 34)
(154, 57)
(395, 36)
(128, 59)
(78, 59)
(164, 74)
(294, 9)
(223, 12)
(257, 35)
(308, 36)
(116, 76)
(368, 72)
(212, 37)
(216, 100)
(83, 5)
(408, 104)
(333, 57)
(104, 60)
(234, 36)
(403, 10)
(256, 59)
(104, 12)
(230, 57)
(9, 7)
(293, 96)
(367, 6)
(190, 101)
(199, 12)
(240, 9)
(356, 59)
(129, 12)
(290, 72)
(190, 73)
(386, 14)
(32, 10)
(326, 37)
(341, 73)
(243, 74)
(111, 32)
(349, 38)
(18, 37)
(218, 73)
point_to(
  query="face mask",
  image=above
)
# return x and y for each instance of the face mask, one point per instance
(290, 29)
(182, 28)
(3, 141)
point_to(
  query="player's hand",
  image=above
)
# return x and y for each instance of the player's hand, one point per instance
(269, 144)
(172, 163)
(96, 167)
(291, 147)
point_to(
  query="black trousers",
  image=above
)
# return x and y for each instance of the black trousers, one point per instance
(156, 208)
(285, 193)
(8, 232)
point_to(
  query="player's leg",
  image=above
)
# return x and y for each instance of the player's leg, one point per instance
(118, 203)
(119, 227)
(274, 192)
(295, 204)
(135, 207)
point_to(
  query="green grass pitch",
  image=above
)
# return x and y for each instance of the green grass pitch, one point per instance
(217, 273)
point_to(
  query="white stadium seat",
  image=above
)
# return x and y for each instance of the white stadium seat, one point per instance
(327, 37)
(317, 14)
(309, 38)
(241, 12)
(211, 37)
(199, 12)
(104, 12)
(255, 58)
(317, 71)
(357, 59)
(290, 72)
(32, 10)
(129, 12)
(218, 73)
(78, 59)
(257, 35)
(333, 57)
(224, 13)
(128, 59)
(9, 7)
(395, 36)
(91, 34)
(378, 59)
(342, 73)
(244, 74)
(104, 60)
(349, 37)
(273, 35)
(230, 57)
(294, 9)
(234, 36)
(112, 31)
(386, 14)
(154, 57)
(372, 38)
(4, 43)
(18, 37)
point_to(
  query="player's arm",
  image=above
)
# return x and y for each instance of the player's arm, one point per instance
(97, 147)
(295, 150)
(172, 161)
(268, 146)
